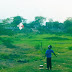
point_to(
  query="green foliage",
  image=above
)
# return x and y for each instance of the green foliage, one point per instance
(4, 31)
(49, 25)
(56, 24)
(22, 52)
(37, 58)
(1, 29)
(68, 25)
(27, 58)
(37, 46)
(6, 21)
(35, 26)
(3, 66)
(7, 42)
(23, 61)
(4, 56)
(56, 38)
(40, 19)
(70, 48)
(69, 30)
(54, 27)
(17, 20)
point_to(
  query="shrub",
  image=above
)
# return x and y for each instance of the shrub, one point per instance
(70, 48)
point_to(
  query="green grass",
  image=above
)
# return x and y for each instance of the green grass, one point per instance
(23, 53)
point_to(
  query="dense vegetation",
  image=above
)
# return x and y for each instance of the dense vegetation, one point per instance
(24, 50)
(39, 25)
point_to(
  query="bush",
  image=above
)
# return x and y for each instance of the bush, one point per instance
(7, 42)
(70, 48)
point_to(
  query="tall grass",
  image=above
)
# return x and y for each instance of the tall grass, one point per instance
(29, 50)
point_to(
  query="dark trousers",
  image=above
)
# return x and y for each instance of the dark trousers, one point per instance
(49, 63)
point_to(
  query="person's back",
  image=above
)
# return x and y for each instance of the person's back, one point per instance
(48, 55)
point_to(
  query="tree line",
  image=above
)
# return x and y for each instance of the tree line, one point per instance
(9, 26)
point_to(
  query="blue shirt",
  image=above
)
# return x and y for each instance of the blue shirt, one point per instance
(48, 53)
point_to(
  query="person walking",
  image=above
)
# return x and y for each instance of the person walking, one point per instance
(48, 55)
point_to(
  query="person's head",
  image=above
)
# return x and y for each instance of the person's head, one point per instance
(49, 47)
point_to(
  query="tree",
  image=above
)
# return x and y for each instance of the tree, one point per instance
(17, 20)
(56, 24)
(7, 20)
(32, 24)
(49, 25)
(68, 25)
(1, 28)
(50, 20)
(39, 20)
(4, 31)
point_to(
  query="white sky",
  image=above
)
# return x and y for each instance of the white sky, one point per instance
(56, 9)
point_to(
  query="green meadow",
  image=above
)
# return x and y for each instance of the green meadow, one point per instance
(25, 52)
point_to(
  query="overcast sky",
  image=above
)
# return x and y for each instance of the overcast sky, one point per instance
(56, 9)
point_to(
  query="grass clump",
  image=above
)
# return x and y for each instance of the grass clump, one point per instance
(70, 48)
(37, 46)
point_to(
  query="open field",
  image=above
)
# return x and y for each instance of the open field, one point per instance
(23, 52)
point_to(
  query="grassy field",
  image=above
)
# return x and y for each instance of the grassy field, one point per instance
(23, 52)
